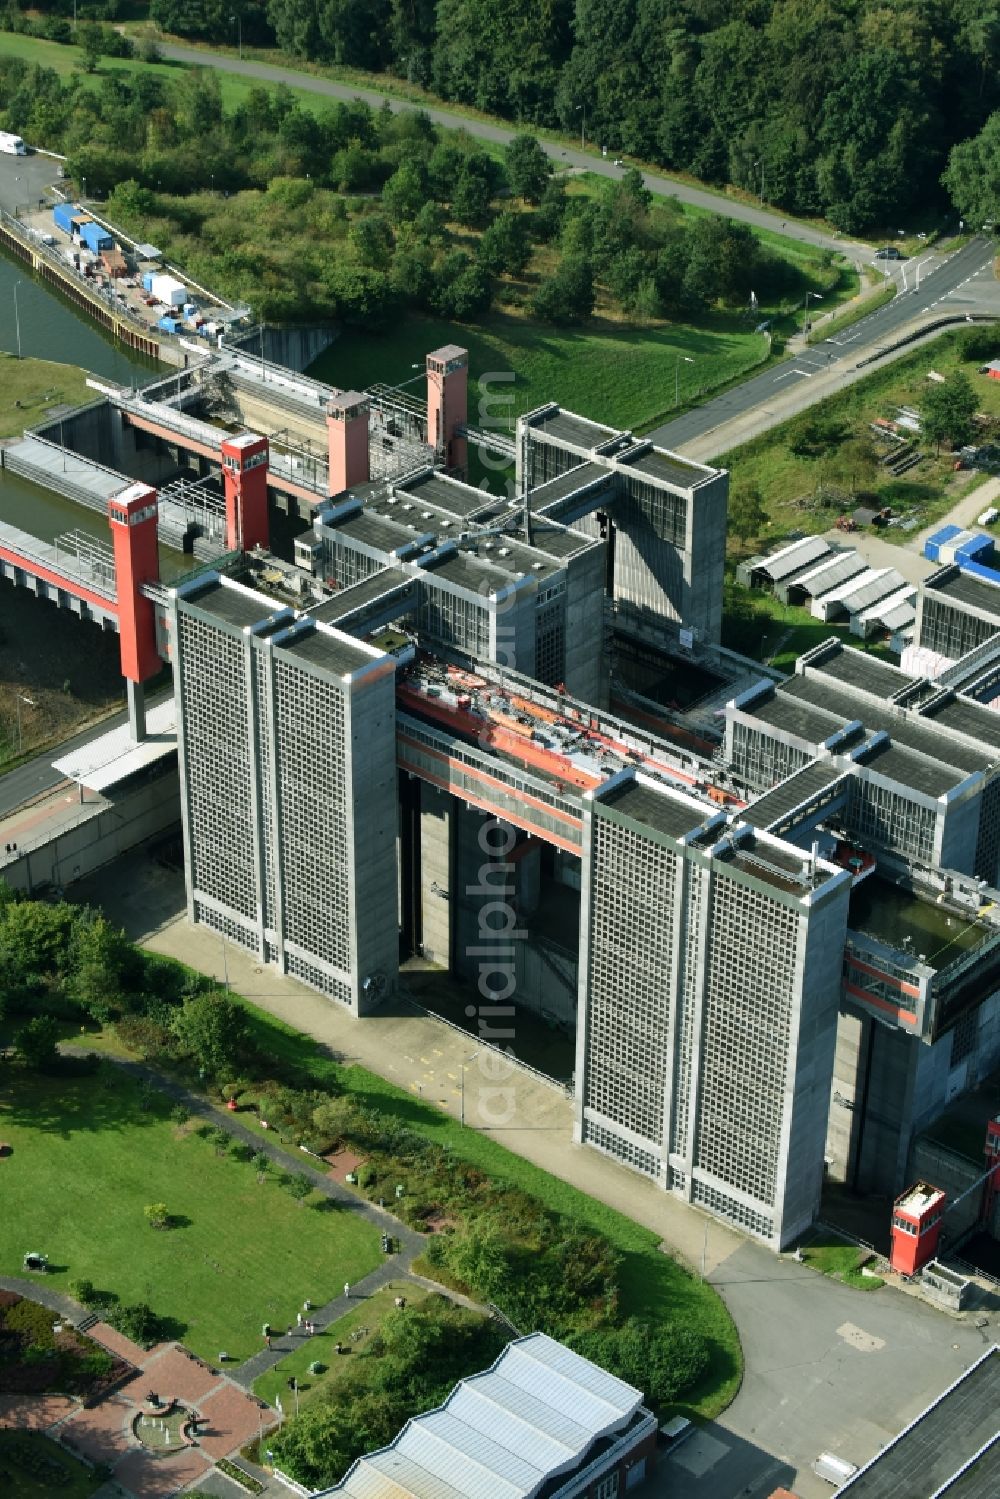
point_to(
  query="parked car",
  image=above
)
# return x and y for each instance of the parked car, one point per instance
(889, 252)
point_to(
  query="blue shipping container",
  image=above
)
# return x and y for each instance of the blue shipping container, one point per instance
(168, 324)
(62, 216)
(147, 280)
(96, 238)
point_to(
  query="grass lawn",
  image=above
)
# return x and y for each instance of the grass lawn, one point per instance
(654, 1286)
(762, 627)
(788, 480)
(622, 376)
(322, 1348)
(33, 1467)
(832, 1256)
(87, 1159)
(30, 387)
(65, 61)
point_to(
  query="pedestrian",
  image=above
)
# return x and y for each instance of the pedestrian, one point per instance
(288, 1334)
(267, 1339)
(347, 1288)
(311, 1328)
(298, 1318)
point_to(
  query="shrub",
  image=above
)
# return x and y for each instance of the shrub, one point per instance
(35, 1043)
(157, 1215)
(144, 1036)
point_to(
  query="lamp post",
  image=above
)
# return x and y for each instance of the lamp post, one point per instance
(31, 704)
(760, 164)
(463, 1064)
(805, 308)
(581, 110)
(681, 359)
(17, 321)
(239, 32)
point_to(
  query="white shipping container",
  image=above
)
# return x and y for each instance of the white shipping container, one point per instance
(169, 290)
(988, 516)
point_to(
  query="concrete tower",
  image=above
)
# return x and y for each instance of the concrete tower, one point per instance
(244, 472)
(347, 440)
(448, 404)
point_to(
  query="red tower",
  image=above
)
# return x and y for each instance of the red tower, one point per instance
(916, 1227)
(132, 518)
(347, 441)
(992, 1167)
(244, 473)
(448, 404)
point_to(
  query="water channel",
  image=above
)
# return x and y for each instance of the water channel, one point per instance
(52, 328)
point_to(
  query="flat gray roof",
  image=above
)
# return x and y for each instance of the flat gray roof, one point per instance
(557, 540)
(667, 467)
(800, 787)
(968, 717)
(934, 1448)
(568, 483)
(467, 571)
(967, 589)
(374, 530)
(231, 604)
(857, 669)
(916, 771)
(655, 809)
(919, 734)
(450, 494)
(339, 657)
(815, 725)
(578, 430)
(359, 594)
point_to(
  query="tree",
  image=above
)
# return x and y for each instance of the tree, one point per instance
(474, 190)
(567, 296)
(213, 1030)
(528, 167)
(92, 43)
(103, 963)
(947, 409)
(747, 516)
(373, 241)
(299, 1186)
(218, 1138)
(406, 191)
(35, 1043)
(157, 1215)
(504, 247)
(261, 1164)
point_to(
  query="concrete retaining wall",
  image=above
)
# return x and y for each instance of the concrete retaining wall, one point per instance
(113, 830)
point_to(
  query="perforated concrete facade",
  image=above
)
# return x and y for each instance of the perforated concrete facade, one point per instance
(710, 980)
(286, 738)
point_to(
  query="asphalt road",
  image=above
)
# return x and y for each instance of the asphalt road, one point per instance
(864, 337)
(35, 776)
(761, 218)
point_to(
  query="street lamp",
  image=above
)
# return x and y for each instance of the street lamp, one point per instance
(581, 110)
(239, 31)
(681, 359)
(760, 164)
(31, 704)
(805, 308)
(463, 1064)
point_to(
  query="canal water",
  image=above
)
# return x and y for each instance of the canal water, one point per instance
(52, 328)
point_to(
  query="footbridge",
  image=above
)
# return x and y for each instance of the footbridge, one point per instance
(75, 571)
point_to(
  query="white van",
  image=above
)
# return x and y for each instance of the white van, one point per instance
(12, 145)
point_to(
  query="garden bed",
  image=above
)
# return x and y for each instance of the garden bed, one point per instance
(36, 1360)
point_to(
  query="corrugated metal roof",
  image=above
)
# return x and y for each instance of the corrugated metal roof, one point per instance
(839, 567)
(789, 559)
(502, 1434)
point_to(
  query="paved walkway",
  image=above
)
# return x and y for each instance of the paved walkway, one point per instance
(809, 1386)
(408, 1243)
